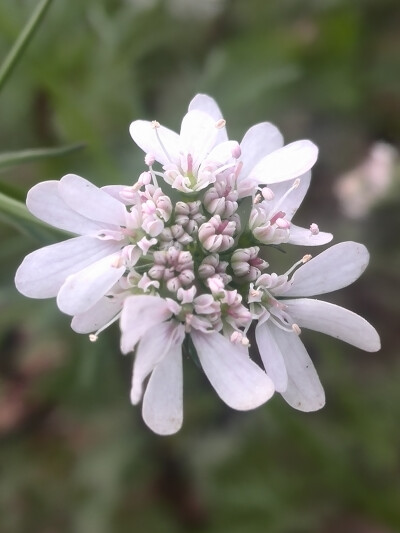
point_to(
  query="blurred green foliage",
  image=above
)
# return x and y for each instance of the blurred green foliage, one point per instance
(74, 455)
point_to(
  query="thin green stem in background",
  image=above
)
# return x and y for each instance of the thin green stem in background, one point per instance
(22, 41)
(10, 159)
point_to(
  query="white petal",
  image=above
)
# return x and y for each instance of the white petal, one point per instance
(293, 199)
(114, 191)
(85, 288)
(335, 268)
(335, 321)
(97, 316)
(238, 381)
(259, 141)
(304, 237)
(152, 348)
(162, 143)
(42, 272)
(291, 161)
(90, 201)
(203, 102)
(139, 314)
(44, 201)
(206, 104)
(271, 356)
(163, 400)
(222, 153)
(198, 135)
(304, 390)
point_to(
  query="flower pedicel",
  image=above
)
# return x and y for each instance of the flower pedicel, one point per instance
(180, 258)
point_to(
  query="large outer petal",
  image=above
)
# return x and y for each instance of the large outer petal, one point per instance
(152, 348)
(271, 356)
(90, 201)
(335, 268)
(238, 381)
(198, 135)
(304, 237)
(259, 141)
(99, 315)
(139, 314)
(163, 399)
(44, 201)
(335, 321)
(85, 288)
(148, 139)
(206, 104)
(304, 390)
(42, 273)
(291, 161)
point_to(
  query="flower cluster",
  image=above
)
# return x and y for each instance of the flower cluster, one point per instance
(180, 258)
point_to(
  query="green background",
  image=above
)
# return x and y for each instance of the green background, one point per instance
(75, 456)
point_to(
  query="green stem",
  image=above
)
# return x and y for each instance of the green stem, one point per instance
(9, 159)
(22, 41)
(15, 208)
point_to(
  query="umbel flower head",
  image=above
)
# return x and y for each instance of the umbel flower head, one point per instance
(182, 259)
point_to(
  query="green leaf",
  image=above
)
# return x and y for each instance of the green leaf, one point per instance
(16, 214)
(10, 159)
(22, 41)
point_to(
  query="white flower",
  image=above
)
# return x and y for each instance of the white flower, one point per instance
(176, 273)
(202, 153)
(284, 355)
(154, 325)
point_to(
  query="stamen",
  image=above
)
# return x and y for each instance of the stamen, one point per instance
(238, 169)
(296, 329)
(153, 177)
(94, 336)
(257, 199)
(224, 167)
(303, 260)
(220, 124)
(156, 125)
(280, 325)
(283, 198)
(314, 229)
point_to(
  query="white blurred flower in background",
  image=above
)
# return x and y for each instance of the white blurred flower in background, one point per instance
(359, 189)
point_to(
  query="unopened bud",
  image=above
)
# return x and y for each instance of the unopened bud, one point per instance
(236, 151)
(149, 159)
(268, 194)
